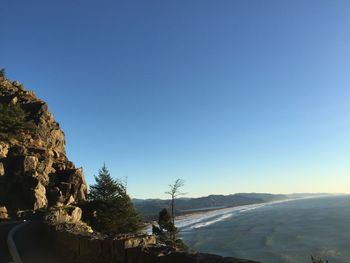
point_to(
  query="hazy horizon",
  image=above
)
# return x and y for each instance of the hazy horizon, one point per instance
(287, 194)
(231, 96)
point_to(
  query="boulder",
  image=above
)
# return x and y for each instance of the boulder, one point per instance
(30, 163)
(40, 197)
(139, 240)
(64, 214)
(71, 200)
(75, 215)
(3, 212)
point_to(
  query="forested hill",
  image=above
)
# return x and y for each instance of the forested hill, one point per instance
(149, 208)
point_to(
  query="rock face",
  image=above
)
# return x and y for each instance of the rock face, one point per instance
(68, 214)
(34, 170)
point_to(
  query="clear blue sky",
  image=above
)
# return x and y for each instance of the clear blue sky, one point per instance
(232, 96)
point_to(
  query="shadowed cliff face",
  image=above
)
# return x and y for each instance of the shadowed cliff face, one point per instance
(34, 170)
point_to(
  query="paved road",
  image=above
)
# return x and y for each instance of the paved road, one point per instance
(34, 247)
(5, 228)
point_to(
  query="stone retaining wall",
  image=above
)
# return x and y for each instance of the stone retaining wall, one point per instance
(85, 248)
(79, 248)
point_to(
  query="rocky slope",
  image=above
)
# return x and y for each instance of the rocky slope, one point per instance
(34, 170)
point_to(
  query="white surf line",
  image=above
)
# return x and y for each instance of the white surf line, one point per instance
(201, 217)
(11, 243)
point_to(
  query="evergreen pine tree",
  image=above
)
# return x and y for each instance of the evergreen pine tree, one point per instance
(2, 73)
(166, 231)
(106, 188)
(110, 210)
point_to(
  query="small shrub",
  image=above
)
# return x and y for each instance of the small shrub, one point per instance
(2, 73)
(166, 231)
(14, 119)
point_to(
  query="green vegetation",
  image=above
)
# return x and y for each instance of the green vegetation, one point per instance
(13, 119)
(2, 73)
(106, 188)
(174, 192)
(109, 209)
(166, 231)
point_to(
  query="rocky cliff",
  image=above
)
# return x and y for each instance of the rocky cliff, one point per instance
(34, 170)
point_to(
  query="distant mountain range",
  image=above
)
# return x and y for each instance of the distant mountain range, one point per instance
(150, 208)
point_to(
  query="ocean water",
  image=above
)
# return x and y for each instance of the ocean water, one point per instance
(284, 232)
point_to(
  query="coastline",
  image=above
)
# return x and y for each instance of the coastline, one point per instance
(186, 219)
(268, 232)
(193, 213)
(208, 213)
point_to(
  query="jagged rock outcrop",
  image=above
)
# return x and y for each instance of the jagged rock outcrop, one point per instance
(34, 170)
(67, 214)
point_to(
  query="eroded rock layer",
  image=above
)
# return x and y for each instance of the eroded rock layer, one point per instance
(34, 170)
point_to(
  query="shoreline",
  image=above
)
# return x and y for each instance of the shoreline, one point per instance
(264, 234)
(193, 213)
(201, 215)
(197, 218)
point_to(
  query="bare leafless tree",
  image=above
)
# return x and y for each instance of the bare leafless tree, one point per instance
(174, 192)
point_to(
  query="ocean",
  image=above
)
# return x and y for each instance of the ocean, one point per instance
(282, 232)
